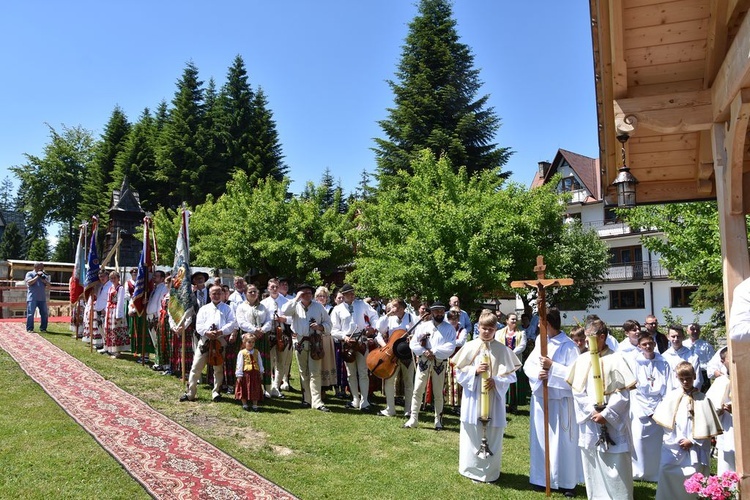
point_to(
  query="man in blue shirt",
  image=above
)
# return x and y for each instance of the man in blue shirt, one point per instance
(36, 297)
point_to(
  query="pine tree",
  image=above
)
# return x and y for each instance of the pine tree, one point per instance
(435, 105)
(7, 195)
(137, 161)
(215, 137)
(266, 160)
(11, 244)
(38, 250)
(98, 182)
(238, 118)
(180, 156)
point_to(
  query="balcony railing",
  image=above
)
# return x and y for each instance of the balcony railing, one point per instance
(612, 228)
(636, 271)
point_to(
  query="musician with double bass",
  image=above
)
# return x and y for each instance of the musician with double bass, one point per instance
(214, 323)
(397, 319)
(352, 322)
(432, 343)
(309, 321)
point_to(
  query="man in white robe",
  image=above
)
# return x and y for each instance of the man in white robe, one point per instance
(678, 353)
(720, 395)
(607, 467)
(471, 364)
(565, 465)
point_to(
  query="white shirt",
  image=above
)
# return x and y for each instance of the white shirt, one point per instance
(739, 316)
(219, 315)
(347, 319)
(301, 317)
(154, 301)
(103, 296)
(249, 317)
(441, 339)
(274, 305)
(389, 324)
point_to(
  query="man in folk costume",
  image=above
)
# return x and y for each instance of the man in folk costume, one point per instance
(397, 319)
(432, 344)
(153, 309)
(720, 395)
(653, 376)
(237, 297)
(351, 319)
(565, 465)
(308, 316)
(215, 322)
(280, 360)
(602, 406)
(489, 363)
(253, 317)
(689, 422)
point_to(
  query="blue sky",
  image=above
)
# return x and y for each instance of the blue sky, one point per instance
(322, 64)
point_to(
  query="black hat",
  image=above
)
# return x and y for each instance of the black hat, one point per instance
(402, 349)
(305, 286)
(199, 273)
(346, 288)
(437, 305)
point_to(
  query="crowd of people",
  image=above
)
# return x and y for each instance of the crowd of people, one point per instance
(644, 408)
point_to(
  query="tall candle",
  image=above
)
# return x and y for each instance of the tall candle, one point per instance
(485, 396)
(596, 370)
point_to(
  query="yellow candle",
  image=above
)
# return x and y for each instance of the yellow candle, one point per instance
(596, 370)
(485, 397)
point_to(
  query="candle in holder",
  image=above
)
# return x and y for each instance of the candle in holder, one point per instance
(485, 396)
(596, 370)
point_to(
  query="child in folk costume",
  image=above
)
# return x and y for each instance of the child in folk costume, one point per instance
(482, 398)
(249, 372)
(116, 337)
(720, 395)
(689, 422)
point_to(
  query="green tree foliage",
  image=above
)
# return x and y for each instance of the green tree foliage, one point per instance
(50, 188)
(39, 250)
(690, 247)
(98, 181)
(11, 244)
(137, 161)
(7, 195)
(266, 159)
(257, 226)
(180, 157)
(167, 226)
(62, 251)
(435, 101)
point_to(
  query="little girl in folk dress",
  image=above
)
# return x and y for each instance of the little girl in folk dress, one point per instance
(249, 372)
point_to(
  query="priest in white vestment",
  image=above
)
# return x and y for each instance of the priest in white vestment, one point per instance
(607, 467)
(719, 394)
(476, 357)
(565, 464)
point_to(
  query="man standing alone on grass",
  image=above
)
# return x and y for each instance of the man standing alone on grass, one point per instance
(36, 297)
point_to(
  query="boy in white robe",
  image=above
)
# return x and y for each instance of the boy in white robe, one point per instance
(607, 467)
(652, 375)
(689, 422)
(471, 364)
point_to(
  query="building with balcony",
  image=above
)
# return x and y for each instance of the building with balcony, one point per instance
(636, 284)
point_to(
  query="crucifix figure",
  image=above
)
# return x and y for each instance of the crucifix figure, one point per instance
(541, 284)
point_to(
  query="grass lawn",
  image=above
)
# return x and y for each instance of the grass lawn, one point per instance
(342, 454)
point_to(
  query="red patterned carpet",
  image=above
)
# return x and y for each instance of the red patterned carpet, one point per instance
(167, 459)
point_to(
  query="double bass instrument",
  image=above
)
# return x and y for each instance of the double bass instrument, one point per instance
(383, 362)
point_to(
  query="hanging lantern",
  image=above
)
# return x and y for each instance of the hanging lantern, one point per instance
(625, 181)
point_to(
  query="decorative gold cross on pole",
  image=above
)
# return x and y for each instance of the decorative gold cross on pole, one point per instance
(541, 283)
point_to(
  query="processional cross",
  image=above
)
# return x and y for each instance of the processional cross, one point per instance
(541, 283)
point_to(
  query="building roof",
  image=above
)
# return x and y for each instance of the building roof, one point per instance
(586, 169)
(126, 199)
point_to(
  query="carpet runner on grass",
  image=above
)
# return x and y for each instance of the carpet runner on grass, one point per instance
(168, 460)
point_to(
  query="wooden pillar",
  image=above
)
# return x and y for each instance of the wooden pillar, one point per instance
(736, 267)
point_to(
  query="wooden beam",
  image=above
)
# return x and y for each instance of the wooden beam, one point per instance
(735, 147)
(716, 41)
(619, 66)
(733, 75)
(674, 113)
(669, 191)
(736, 267)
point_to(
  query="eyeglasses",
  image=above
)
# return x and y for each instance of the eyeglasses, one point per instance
(652, 324)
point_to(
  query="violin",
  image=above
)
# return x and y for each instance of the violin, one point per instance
(215, 350)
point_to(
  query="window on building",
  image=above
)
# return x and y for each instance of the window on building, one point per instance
(681, 295)
(569, 184)
(627, 299)
(610, 216)
(626, 255)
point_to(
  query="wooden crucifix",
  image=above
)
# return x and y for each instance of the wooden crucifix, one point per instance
(541, 283)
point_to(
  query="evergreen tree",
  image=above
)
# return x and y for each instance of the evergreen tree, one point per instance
(238, 118)
(266, 160)
(215, 137)
(11, 244)
(435, 104)
(180, 156)
(7, 195)
(98, 182)
(137, 161)
(39, 250)
(64, 251)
